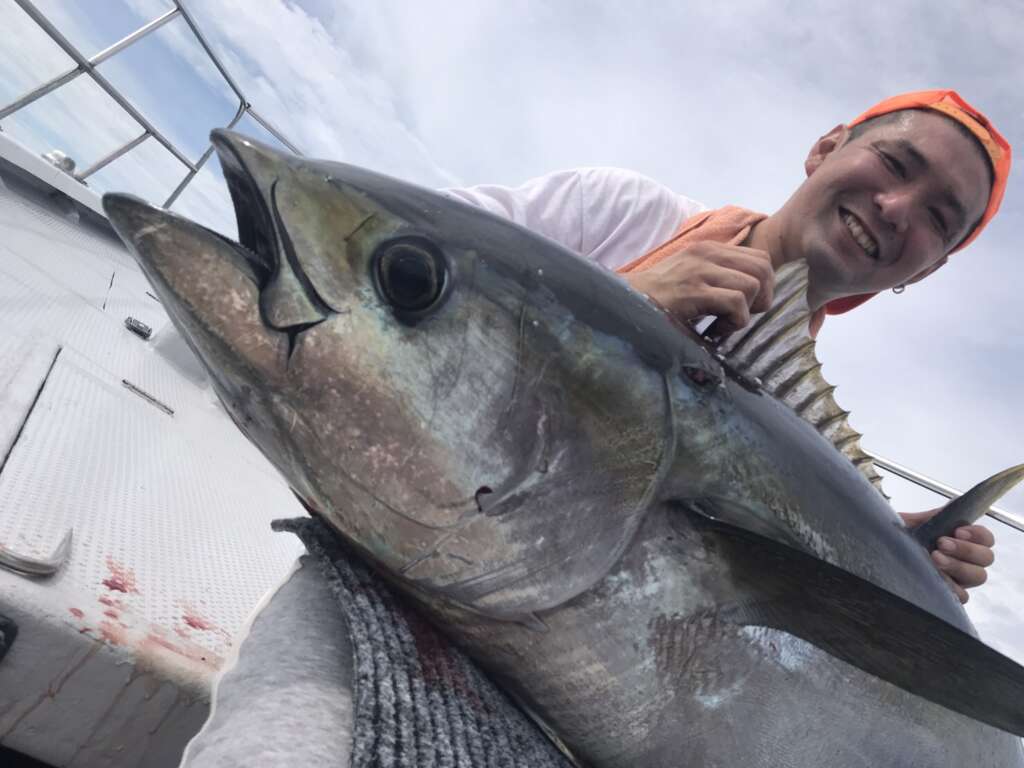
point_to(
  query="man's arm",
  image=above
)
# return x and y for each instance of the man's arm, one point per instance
(612, 216)
(731, 282)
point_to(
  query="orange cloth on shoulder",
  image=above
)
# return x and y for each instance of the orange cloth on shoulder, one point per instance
(730, 225)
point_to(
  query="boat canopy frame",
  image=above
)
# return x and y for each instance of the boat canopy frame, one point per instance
(88, 66)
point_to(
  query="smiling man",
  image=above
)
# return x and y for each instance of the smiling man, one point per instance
(887, 198)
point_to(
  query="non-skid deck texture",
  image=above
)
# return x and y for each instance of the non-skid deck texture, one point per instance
(172, 546)
(418, 701)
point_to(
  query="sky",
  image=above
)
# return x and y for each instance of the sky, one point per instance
(720, 101)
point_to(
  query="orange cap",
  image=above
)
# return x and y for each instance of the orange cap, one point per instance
(953, 106)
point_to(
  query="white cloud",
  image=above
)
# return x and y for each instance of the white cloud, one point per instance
(300, 79)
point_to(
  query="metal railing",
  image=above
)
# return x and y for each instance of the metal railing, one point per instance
(1007, 518)
(87, 66)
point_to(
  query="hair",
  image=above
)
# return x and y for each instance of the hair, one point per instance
(901, 114)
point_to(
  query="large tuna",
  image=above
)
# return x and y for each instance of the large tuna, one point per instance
(665, 564)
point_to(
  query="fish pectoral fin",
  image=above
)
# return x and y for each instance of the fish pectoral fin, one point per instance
(870, 628)
(969, 507)
(734, 513)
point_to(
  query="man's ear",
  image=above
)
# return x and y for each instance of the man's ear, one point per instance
(825, 146)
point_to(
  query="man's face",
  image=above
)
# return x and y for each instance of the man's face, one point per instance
(885, 206)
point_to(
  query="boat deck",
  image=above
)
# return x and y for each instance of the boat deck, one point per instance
(120, 440)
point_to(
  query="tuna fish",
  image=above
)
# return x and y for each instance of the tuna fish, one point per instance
(662, 561)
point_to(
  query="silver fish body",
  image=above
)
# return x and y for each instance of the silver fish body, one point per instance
(621, 529)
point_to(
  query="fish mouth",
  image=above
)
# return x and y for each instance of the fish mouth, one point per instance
(147, 229)
(257, 250)
(225, 296)
(257, 235)
(289, 300)
(286, 299)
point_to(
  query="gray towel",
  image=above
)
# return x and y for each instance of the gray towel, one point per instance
(338, 670)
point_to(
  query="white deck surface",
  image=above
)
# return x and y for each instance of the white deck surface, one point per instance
(172, 547)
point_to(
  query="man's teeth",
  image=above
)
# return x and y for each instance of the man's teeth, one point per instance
(863, 238)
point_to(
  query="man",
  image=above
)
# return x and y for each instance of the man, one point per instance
(887, 199)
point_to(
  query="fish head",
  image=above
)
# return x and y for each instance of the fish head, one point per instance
(331, 332)
(393, 369)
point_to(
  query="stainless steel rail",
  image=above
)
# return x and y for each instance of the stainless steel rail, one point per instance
(71, 74)
(87, 66)
(202, 161)
(108, 159)
(1007, 518)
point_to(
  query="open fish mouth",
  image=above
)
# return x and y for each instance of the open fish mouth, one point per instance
(255, 254)
(257, 238)
(264, 238)
(175, 252)
(257, 247)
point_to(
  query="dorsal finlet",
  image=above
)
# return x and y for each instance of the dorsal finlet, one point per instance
(779, 338)
(794, 381)
(831, 420)
(780, 362)
(842, 442)
(756, 352)
(815, 397)
(735, 344)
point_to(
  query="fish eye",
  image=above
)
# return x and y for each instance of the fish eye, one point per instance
(410, 275)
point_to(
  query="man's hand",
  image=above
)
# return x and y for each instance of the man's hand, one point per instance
(728, 281)
(962, 558)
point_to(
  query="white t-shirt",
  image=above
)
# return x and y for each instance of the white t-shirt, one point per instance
(609, 215)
